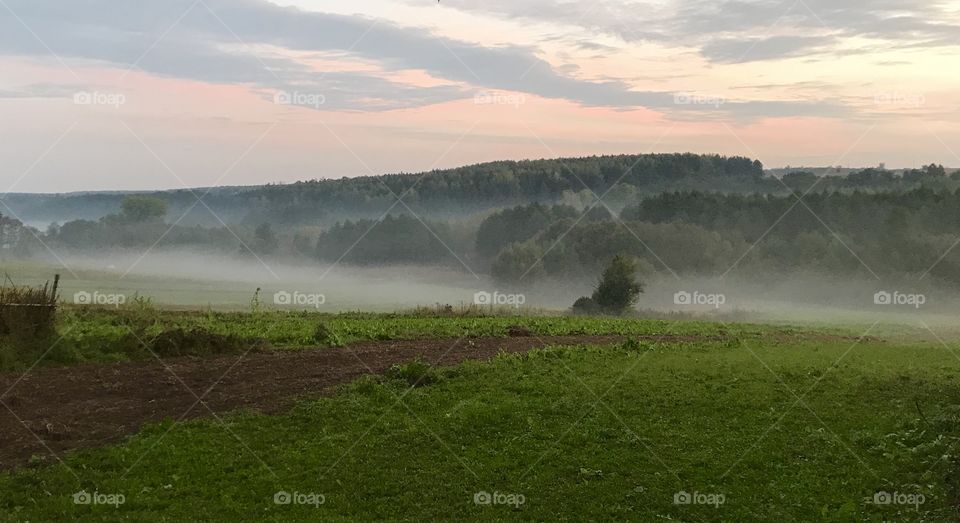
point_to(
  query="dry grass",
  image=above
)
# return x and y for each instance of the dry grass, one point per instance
(28, 313)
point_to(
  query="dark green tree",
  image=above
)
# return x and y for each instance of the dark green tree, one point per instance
(517, 225)
(138, 209)
(518, 263)
(619, 289)
(800, 182)
(265, 240)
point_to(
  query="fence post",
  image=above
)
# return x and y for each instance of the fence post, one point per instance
(56, 285)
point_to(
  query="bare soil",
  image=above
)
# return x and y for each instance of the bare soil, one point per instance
(53, 410)
(49, 411)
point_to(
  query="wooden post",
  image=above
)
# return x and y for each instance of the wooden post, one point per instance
(56, 285)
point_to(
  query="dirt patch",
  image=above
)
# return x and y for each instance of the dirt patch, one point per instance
(198, 342)
(93, 405)
(519, 332)
(59, 409)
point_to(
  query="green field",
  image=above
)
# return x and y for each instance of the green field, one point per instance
(104, 335)
(765, 423)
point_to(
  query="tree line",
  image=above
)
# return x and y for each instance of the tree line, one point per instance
(887, 233)
(898, 223)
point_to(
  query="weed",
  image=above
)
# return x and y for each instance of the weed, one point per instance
(634, 345)
(416, 373)
(323, 335)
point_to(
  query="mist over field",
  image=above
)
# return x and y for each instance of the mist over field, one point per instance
(538, 260)
(793, 246)
(190, 279)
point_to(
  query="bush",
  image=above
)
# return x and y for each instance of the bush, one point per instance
(585, 306)
(616, 293)
(618, 290)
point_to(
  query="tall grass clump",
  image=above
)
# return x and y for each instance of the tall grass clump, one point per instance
(28, 311)
(27, 319)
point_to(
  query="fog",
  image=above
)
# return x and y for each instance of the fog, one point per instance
(184, 278)
(194, 280)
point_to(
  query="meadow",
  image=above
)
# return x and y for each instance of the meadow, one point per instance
(744, 422)
(138, 330)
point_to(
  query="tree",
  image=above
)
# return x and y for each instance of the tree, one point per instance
(517, 225)
(518, 263)
(934, 171)
(80, 233)
(800, 182)
(139, 209)
(265, 240)
(9, 231)
(303, 244)
(618, 289)
(394, 239)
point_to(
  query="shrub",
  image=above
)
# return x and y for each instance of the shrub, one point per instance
(618, 289)
(585, 306)
(416, 373)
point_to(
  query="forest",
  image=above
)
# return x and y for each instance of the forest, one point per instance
(442, 193)
(522, 222)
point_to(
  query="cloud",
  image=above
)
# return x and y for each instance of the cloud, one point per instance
(42, 90)
(204, 47)
(723, 28)
(254, 42)
(738, 51)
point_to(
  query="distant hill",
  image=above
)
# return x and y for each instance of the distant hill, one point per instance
(447, 192)
(472, 190)
(43, 209)
(779, 172)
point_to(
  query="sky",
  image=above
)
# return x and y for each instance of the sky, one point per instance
(166, 94)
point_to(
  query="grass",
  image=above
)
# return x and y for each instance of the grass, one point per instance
(27, 311)
(92, 334)
(27, 320)
(584, 433)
